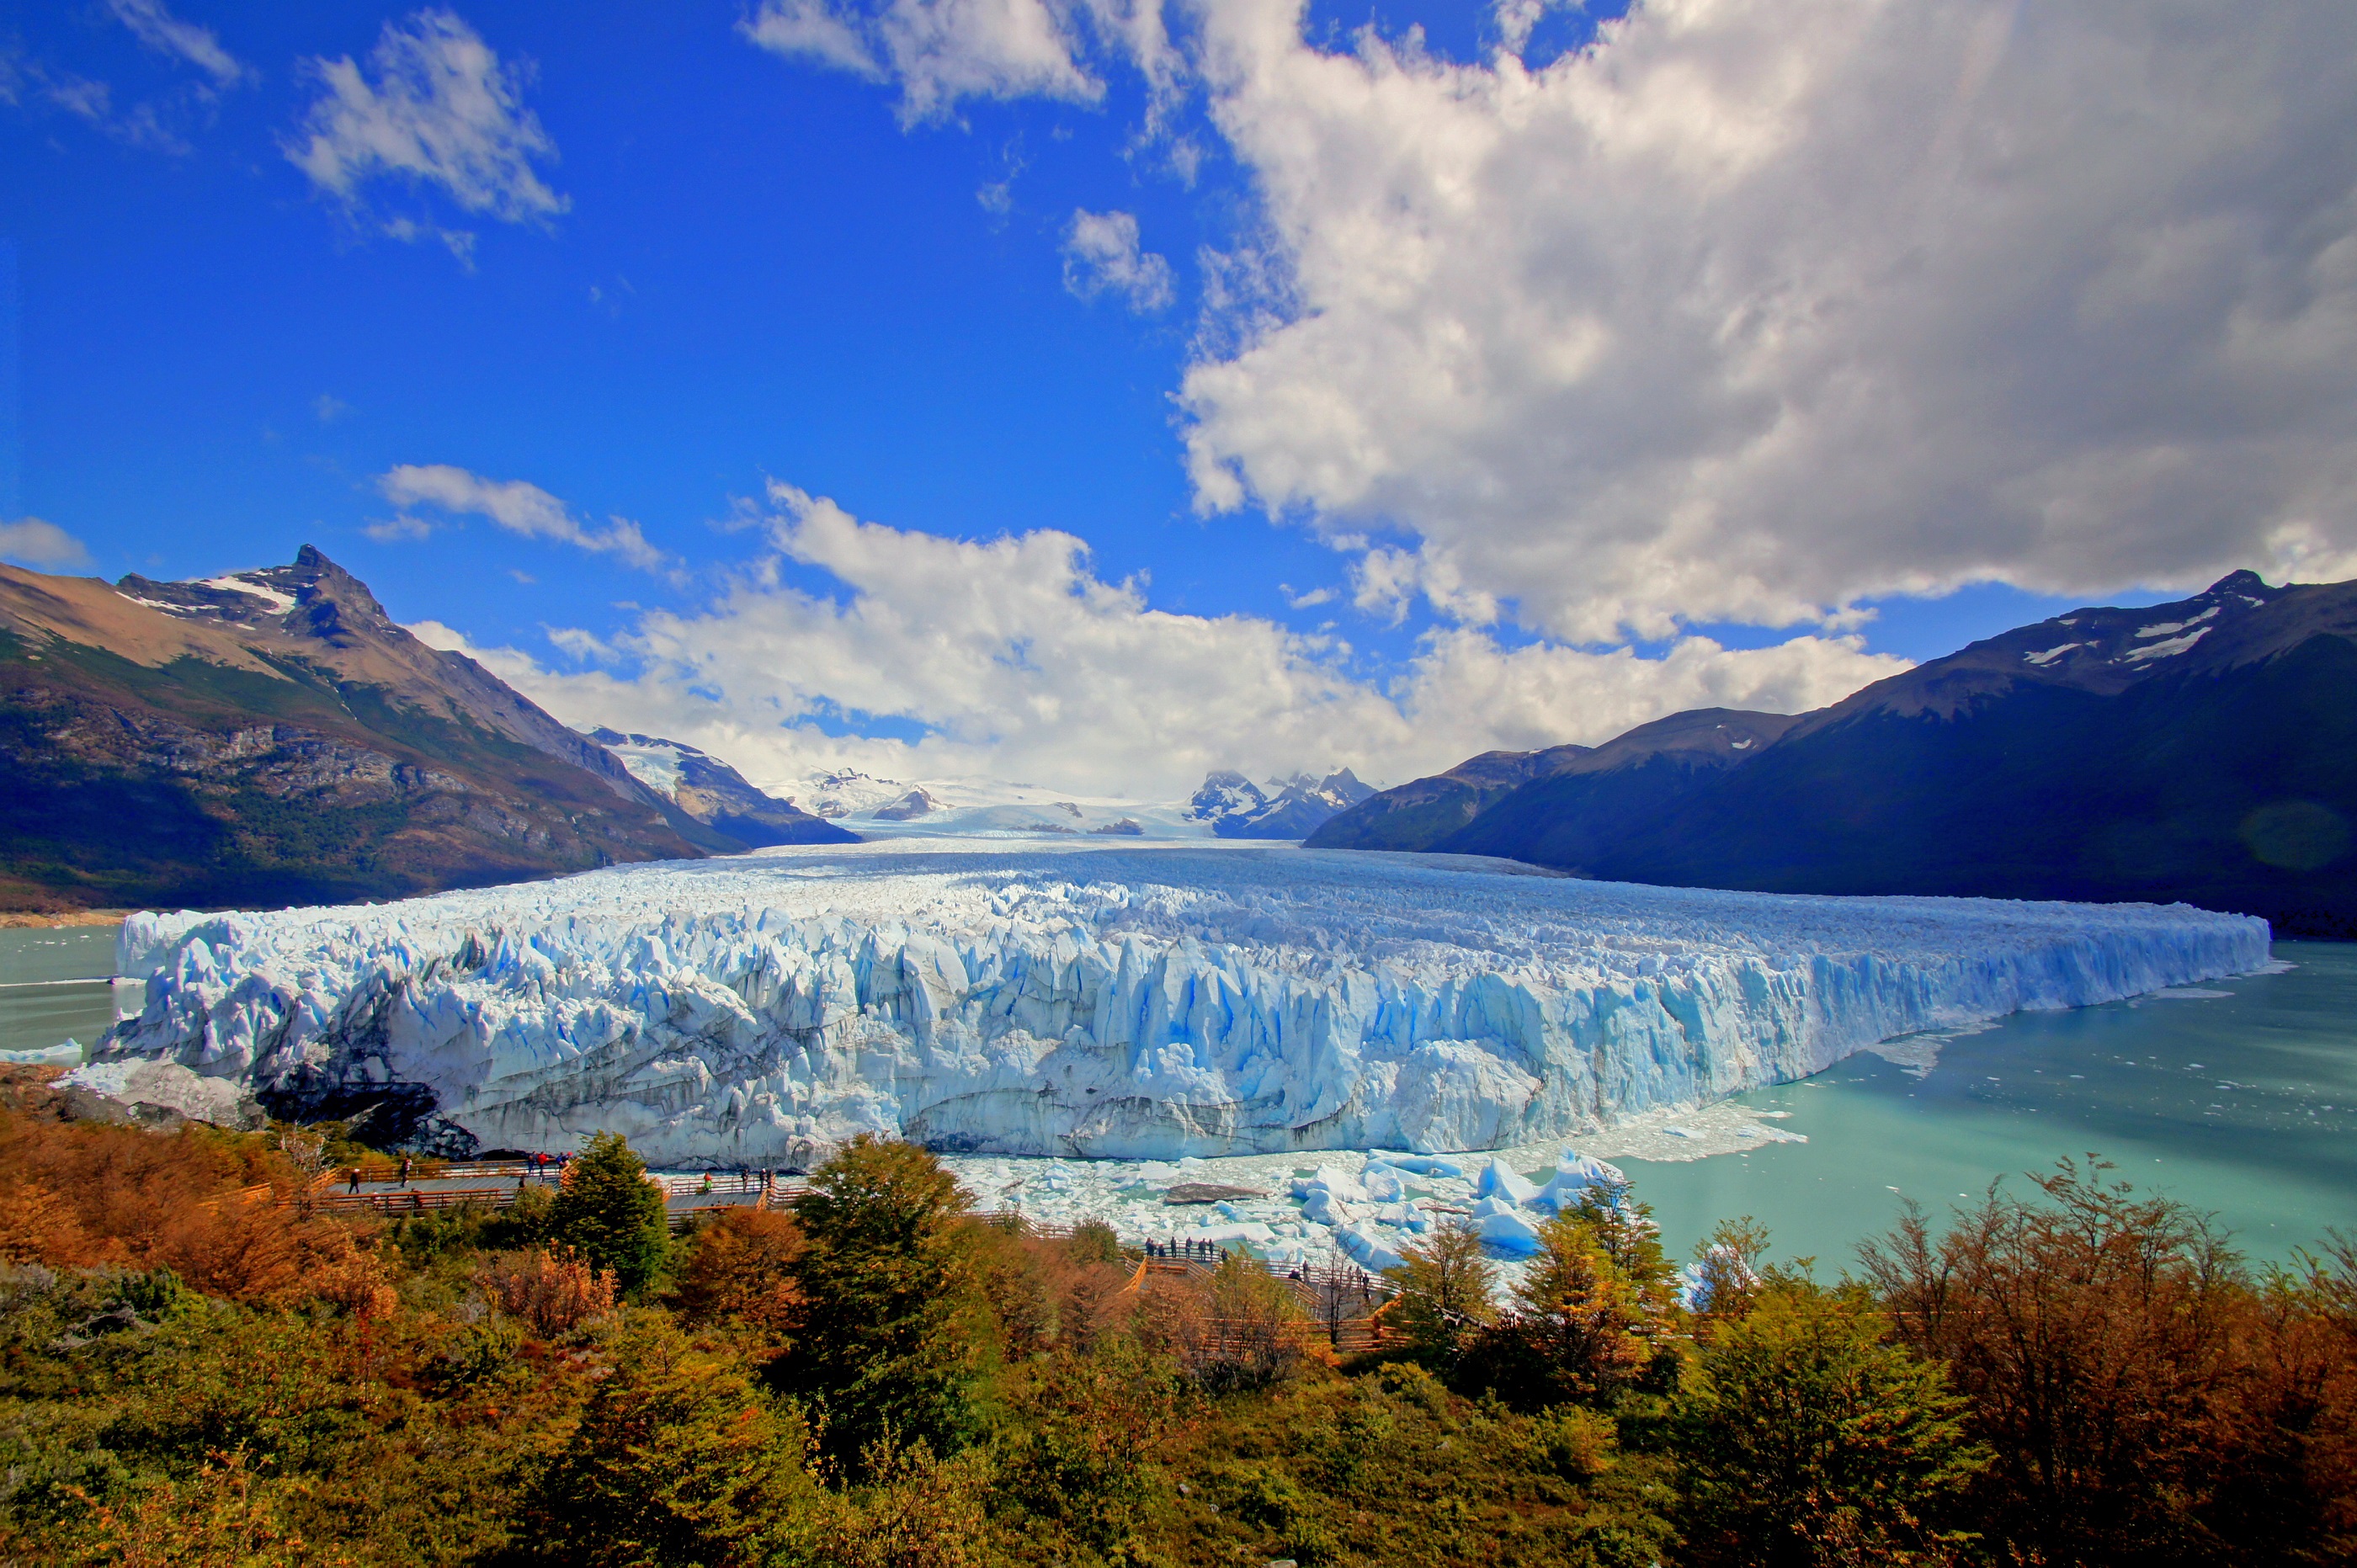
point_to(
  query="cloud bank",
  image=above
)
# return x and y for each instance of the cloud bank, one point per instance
(1751, 310)
(1010, 658)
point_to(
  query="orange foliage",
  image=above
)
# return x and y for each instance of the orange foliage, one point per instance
(199, 1201)
(555, 1295)
(741, 1270)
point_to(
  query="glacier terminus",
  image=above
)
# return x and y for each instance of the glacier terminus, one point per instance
(1102, 1000)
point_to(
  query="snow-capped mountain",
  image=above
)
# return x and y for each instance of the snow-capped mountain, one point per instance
(273, 736)
(714, 793)
(1236, 808)
(840, 792)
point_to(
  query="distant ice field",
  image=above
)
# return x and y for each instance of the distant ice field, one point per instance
(1105, 1001)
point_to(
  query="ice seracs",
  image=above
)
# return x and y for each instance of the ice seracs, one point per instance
(1089, 997)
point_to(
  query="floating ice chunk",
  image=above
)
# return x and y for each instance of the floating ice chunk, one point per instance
(1506, 1228)
(66, 1053)
(1427, 1166)
(1497, 1179)
(1575, 1173)
(1369, 1249)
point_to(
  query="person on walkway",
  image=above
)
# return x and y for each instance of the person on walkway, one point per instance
(404, 1170)
(352, 1174)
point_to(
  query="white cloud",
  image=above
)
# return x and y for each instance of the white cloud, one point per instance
(29, 541)
(939, 51)
(1019, 662)
(512, 504)
(1101, 256)
(1761, 307)
(155, 27)
(441, 111)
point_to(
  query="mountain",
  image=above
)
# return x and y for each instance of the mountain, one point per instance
(716, 794)
(1236, 808)
(2202, 751)
(272, 738)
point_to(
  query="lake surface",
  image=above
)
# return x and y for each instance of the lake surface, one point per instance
(2239, 1098)
(54, 985)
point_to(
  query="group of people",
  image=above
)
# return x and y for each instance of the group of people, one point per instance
(536, 1167)
(1185, 1247)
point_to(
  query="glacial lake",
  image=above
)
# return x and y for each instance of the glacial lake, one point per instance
(2238, 1097)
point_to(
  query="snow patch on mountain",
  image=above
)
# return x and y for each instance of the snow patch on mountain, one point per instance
(1094, 997)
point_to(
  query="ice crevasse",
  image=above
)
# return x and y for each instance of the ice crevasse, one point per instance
(1141, 1003)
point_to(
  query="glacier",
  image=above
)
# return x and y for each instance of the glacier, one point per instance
(1092, 999)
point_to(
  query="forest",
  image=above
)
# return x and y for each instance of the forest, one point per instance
(198, 1365)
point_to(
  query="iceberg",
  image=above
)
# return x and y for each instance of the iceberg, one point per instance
(1095, 999)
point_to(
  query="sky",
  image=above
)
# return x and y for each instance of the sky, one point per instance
(1092, 393)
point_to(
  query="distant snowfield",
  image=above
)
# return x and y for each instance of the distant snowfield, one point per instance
(1106, 999)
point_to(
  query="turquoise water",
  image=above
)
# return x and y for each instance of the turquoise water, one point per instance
(2242, 1104)
(38, 1006)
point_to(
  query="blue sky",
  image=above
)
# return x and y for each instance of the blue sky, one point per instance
(767, 324)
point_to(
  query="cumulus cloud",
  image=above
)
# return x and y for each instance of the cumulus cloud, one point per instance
(1014, 659)
(939, 51)
(1101, 256)
(29, 541)
(436, 107)
(512, 504)
(1753, 309)
(153, 24)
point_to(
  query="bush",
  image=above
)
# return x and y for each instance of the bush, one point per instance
(677, 1459)
(554, 1296)
(1803, 1438)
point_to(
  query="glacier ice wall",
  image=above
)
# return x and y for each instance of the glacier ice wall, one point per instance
(1128, 1003)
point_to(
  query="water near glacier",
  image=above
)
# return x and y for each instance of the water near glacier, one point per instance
(53, 987)
(2239, 1099)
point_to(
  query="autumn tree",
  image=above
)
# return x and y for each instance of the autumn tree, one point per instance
(1580, 1327)
(2144, 1401)
(678, 1459)
(1445, 1284)
(740, 1269)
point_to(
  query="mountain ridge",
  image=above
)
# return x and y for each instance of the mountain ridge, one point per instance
(273, 737)
(2203, 750)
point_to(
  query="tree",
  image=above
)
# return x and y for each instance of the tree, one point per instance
(1727, 1271)
(1445, 1289)
(677, 1460)
(740, 1269)
(2145, 1403)
(1580, 1327)
(1805, 1438)
(610, 1213)
(893, 1332)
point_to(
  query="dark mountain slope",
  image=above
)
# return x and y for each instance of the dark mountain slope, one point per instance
(2203, 751)
(272, 737)
(1570, 782)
